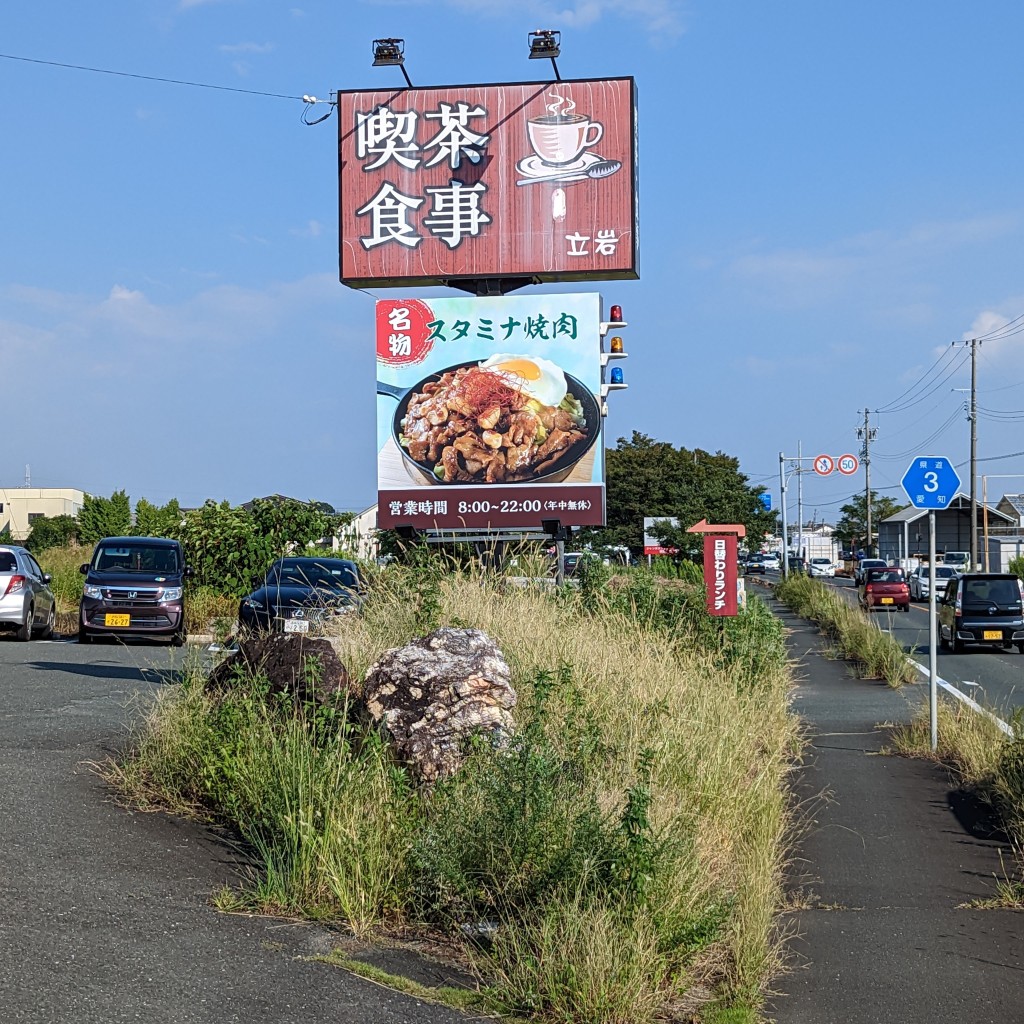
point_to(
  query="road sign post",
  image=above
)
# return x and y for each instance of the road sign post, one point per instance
(931, 483)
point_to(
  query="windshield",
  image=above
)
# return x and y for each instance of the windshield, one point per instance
(336, 575)
(820, 561)
(986, 592)
(944, 573)
(126, 558)
(885, 576)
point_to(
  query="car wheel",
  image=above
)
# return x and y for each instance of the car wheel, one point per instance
(24, 632)
(957, 644)
(83, 637)
(943, 642)
(47, 632)
(178, 639)
(905, 607)
(1020, 647)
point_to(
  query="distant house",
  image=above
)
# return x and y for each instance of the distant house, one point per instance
(360, 536)
(1012, 505)
(20, 507)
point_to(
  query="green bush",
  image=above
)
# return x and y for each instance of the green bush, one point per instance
(51, 532)
(1017, 566)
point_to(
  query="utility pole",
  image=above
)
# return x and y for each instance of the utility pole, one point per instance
(800, 498)
(867, 435)
(974, 454)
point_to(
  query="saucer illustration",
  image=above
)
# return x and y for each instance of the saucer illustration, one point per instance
(533, 167)
(589, 165)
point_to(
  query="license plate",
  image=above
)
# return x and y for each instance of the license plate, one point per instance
(117, 620)
(887, 600)
(993, 634)
(296, 626)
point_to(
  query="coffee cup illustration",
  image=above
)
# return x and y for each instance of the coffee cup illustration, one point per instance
(559, 139)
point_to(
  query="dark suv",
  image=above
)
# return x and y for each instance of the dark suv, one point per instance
(134, 586)
(982, 608)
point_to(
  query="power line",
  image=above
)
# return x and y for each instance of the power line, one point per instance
(913, 387)
(917, 400)
(148, 78)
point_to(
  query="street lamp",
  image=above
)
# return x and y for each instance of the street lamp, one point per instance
(546, 45)
(387, 52)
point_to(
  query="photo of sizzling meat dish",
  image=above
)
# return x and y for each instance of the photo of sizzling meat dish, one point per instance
(484, 424)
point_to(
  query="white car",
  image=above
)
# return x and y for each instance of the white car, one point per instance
(821, 567)
(919, 581)
(771, 561)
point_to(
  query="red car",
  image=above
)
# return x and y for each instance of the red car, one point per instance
(885, 588)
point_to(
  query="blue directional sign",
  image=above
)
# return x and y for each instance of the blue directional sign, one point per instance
(931, 482)
(766, 502)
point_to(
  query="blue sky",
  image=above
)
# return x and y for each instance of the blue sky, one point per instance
(830, 196)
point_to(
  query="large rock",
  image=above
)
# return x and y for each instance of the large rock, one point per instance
(306, 667)
(435, 693)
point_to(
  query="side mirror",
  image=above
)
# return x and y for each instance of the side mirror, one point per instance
(187, 571)
(47, 577)
(84, 569)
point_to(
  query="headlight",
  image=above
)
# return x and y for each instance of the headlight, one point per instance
(94, 592)
(251, 602)
(171, 594)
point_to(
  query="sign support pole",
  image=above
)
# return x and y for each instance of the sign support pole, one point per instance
(785, 531)
(933, 640)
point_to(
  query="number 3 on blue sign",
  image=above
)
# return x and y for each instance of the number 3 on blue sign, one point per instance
(931, 481)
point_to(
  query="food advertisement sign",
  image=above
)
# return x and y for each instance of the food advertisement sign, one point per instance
(489, 412)
(720, 572)
(653, 546)
(530, 180)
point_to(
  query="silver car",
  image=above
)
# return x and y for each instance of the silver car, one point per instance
(26, 600)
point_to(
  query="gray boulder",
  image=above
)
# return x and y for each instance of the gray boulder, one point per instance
(435, 693)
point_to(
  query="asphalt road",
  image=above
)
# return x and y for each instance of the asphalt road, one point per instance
(106, 914)
(993, 677)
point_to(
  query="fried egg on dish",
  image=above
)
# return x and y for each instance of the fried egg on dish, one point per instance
(534, 376)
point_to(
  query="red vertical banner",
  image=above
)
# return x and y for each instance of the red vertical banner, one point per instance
(720, 572)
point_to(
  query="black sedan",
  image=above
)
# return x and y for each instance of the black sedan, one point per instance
(300, 595)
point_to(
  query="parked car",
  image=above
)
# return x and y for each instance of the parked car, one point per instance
(885, 588)
(755, 564)
(26, 600)
(301, 595)
(134, 587)
(868, 563)
(821, 567)
(982, 608)
(920, 581)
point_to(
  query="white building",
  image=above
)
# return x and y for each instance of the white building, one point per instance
(360, 536)
(20, 507)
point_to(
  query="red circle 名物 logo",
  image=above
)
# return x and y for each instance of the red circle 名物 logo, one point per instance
(403, 331)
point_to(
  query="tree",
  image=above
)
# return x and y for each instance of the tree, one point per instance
(157, 521)
(851, 530)
(648, 478)
(104, 517)
(230, 549)
(51, 532)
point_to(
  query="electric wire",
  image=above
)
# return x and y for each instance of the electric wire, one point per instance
(921, 446)
(913, 387)
(918, 399)
(148, 78)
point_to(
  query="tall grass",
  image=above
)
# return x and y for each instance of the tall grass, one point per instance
(630, 840)
(877, 655)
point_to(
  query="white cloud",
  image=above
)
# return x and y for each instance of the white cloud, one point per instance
(663, 19)
(246, 47)
(312, 229)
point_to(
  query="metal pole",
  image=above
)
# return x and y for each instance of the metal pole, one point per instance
(974, 454)
(785, 529)
(800, 498)
(984, 506)
(867, 479)
(560, 555)
(933, 640)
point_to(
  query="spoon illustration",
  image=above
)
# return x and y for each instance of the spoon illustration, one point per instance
(600, 169)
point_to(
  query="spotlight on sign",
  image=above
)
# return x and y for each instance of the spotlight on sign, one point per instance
(390, 52)
(546, 45)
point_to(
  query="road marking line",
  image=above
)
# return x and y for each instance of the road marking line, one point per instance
(961, 696)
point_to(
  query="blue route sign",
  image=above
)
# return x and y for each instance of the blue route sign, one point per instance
(931, 482)
(766, 502)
